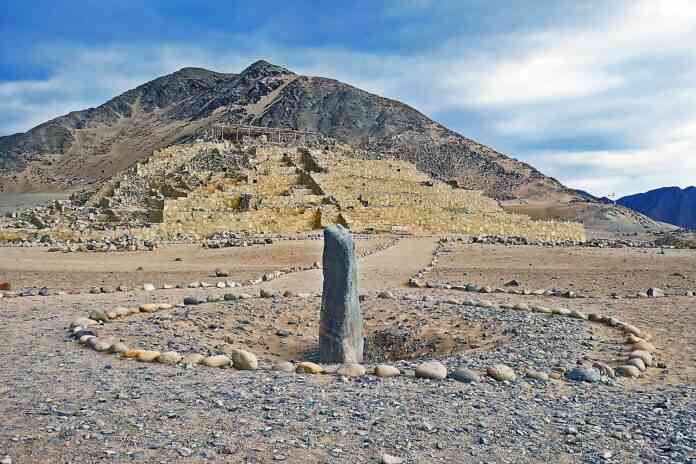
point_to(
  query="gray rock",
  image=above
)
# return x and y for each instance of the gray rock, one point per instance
(283, 366)
(538, 375)
(584, 374)
(192, 359)
(627, 371)
(637, 362)
(266, 293)
(98, 315)
(656, 292)
(389, 459)
(244, 360)
(604, 369)
(341, 324)
(646, 357)
(465, 375)
(101, 345)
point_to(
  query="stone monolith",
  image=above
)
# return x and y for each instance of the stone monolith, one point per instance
(340, 325)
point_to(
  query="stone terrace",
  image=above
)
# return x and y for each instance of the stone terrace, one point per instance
(205, 187)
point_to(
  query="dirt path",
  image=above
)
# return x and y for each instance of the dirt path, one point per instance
(390, 268)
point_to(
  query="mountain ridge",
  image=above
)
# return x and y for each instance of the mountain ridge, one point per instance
(672, 205)
(191, 98)
(83, 149)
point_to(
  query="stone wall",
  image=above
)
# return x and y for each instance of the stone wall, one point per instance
(294, 189)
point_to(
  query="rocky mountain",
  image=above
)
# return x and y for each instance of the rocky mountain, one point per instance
(669, 204)
(86, 147)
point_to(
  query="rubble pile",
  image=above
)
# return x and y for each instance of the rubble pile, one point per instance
(232, 239)
(591, 243)
(124, 242)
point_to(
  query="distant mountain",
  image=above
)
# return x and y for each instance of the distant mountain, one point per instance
(669, 204)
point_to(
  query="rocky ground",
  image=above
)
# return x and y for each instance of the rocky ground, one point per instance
(63, 402)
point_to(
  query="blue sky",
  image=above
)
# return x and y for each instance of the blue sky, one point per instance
(601, 95)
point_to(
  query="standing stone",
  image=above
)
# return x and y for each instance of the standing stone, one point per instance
(340, 325)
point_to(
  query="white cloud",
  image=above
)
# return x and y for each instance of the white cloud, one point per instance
(626, 171)
(626, 76)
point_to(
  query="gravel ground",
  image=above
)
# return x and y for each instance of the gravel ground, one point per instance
(64, 403)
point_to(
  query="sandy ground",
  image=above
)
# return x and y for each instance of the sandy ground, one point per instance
(597, 273)
(62, 403)
(588, 271)
(36, 267)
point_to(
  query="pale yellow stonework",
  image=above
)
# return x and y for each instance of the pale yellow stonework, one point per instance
(298, 190)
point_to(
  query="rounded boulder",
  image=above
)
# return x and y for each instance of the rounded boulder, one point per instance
(307, 367)
(244, 360)
(217, 361)
(465, 376)
(431, 370)
(384, 371)
(501, 373)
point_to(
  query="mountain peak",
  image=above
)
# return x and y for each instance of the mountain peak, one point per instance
(192, 71)
(263, 68)
(673, 205)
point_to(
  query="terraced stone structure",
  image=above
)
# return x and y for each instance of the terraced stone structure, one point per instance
(259, 186)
